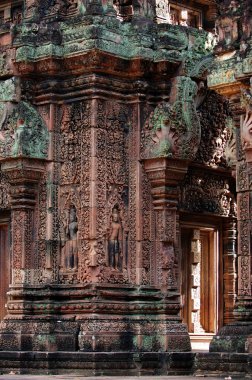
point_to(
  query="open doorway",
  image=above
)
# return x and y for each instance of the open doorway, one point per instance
(199, 285)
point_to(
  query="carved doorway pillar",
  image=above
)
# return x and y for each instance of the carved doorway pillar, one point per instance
(23, 175)
(4, 265)
(237, 335)
(165, 175)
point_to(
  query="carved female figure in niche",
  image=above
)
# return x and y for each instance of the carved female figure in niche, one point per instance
(19, 139)
(70, 249)
(115, 253)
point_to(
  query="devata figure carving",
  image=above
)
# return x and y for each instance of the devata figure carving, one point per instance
(22, 131)
(19, 139)
(115, 238)
(70, 248)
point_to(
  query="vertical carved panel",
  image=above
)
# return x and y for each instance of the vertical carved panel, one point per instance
(148, 255)
(244, 284)
(4, 267)
(74, 193)
(230, 274)
(112, 189)
(4, 192)
(134, 208)
(22, 223)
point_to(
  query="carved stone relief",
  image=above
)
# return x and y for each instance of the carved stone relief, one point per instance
(217, 147)
(116, 254)
(203, 192)
(227, 30)
(168, 132)
(112, 248)
(4, 192)
(168, 265)
(246, 125)
(22, 131)
(70, 244)
(35, 8)
(74, 190)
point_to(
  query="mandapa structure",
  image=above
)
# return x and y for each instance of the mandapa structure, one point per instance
(125, 186)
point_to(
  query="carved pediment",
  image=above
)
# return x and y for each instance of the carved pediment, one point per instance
(22, 131)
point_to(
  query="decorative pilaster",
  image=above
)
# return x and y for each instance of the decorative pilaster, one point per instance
(243, 309)
(235, 337)
(229, 269)
(164, 175)
(23, 175)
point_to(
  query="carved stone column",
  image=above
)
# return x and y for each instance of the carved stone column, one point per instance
(229, 269)
(235, 337)
(164, 175)
(23, 175)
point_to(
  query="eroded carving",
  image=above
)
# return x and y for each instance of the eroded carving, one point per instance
(168, 265)
(22, 131)
(168, 131)
(217, 145)
(246, 127)
(201, 192)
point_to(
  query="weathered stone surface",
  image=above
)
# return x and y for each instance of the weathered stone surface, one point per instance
(118, 160)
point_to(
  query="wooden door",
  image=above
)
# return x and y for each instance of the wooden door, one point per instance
(4, 267)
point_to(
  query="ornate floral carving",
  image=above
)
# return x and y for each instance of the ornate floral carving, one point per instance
(35, 8)
(4, 192)
(203, 192)
(173, 129)
(217, 145)
(112, 142)
(71, 123)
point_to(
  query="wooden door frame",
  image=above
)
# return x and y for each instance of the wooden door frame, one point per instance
(215, 224)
